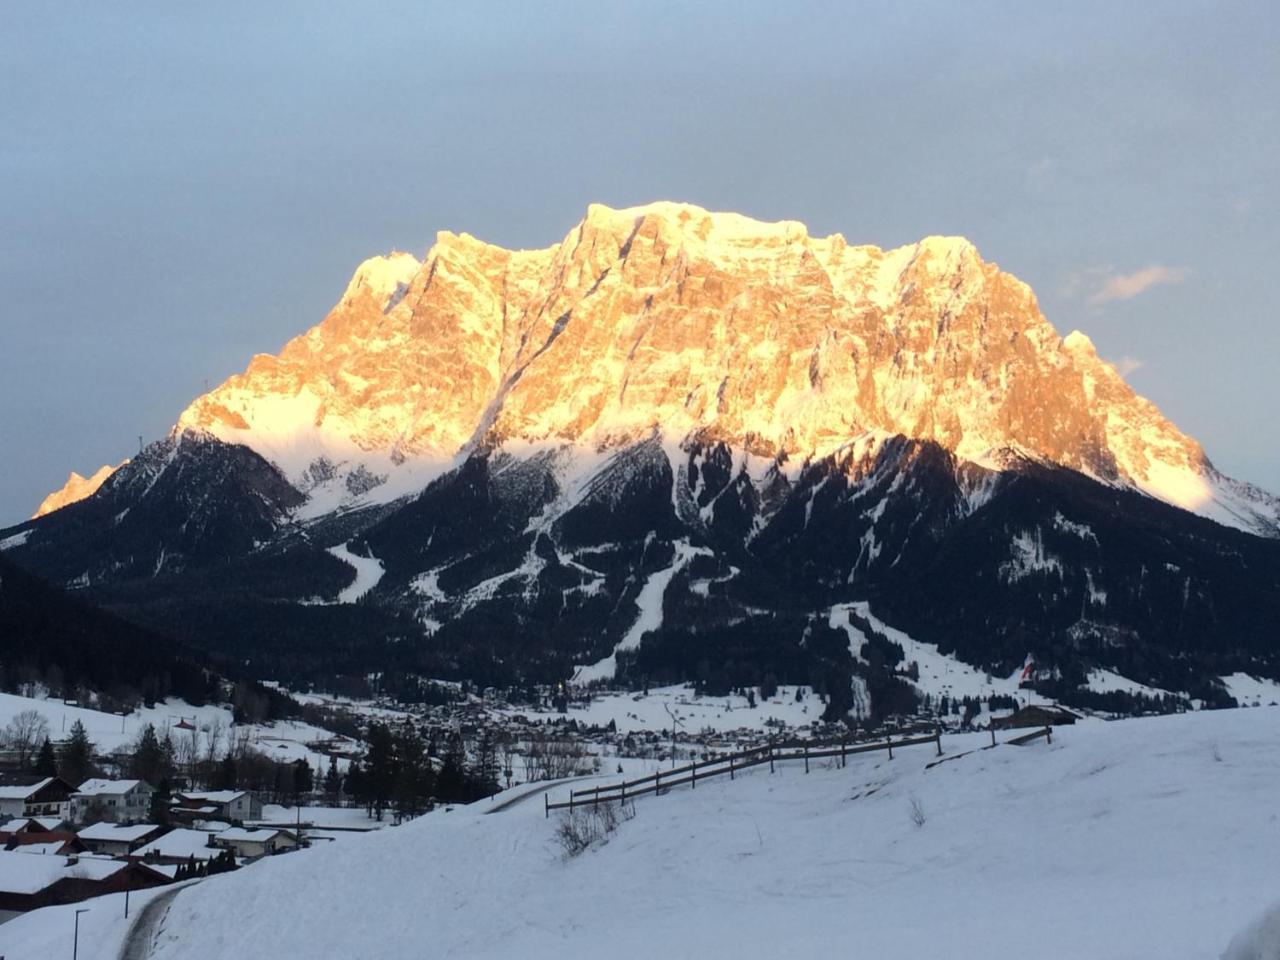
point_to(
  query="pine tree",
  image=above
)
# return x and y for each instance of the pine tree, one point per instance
(46, 762)
(148, 757)
(332, 782)
(76, 761)
(380, 768)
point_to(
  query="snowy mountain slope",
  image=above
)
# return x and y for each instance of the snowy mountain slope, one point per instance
(1121, 840)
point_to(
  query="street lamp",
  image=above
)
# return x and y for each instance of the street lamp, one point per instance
(75, 944)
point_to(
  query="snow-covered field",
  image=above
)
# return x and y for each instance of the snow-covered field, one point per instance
(640, 711)
(283, 740)
(1154, 837)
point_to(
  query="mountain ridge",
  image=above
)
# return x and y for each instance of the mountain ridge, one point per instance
(676, 446)
(705, 325)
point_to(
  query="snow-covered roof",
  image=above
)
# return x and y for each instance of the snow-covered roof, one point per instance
(105, 788)
(254, 835)
(13, 792)
(42, 847)
(114, 831)
(213, 796)
(19, 823)
(23, 873)
(179, 843)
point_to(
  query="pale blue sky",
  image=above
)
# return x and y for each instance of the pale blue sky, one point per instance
(180, 189)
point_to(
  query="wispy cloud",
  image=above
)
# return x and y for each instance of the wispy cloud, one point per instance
(1126, 286)
(1126, 365)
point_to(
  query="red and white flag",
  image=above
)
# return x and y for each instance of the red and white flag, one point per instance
(1026, 670)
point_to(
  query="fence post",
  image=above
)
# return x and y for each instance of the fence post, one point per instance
(771, 758)
(546, 805)
(693, 775)
(623, 802)
(993, 736)
(657, 783)
(937, 739)
(888, 739)
(1048, 734)
(731, 766)
(806, 757)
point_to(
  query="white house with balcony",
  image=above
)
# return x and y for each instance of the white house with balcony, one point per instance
(115, 801)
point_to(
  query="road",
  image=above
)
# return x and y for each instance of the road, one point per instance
(537, 790)
(142, 933)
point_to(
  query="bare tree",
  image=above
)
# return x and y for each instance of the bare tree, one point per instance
(212, 738)
(24, 734)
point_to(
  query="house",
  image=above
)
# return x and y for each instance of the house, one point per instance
(235, 805)
(27, 795)
(62, 842)
(29, 882)
(249, 844)
(118, 840)
(119, 801)
(179, 845)
(19, 825)
(1036, 715)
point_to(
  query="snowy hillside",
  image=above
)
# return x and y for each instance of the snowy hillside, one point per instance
(1141, 838)
(283, 740)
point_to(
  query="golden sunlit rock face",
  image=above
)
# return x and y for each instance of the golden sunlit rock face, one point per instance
(672, 318)
(76, 488)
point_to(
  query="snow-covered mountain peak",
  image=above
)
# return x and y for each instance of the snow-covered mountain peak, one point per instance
(670, 318)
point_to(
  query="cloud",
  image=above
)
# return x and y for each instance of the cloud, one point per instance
(1126, 365)
(1126, 286)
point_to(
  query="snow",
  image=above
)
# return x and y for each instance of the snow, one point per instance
(17, 539)
(368, 572)
(180, 842)
(27, 873)
(1107, 681)
(48, 933)
(1028, 556)
(940, 674)
(117, 832)
(1119, 840)
(99, 787)
(283, 740)
(649, 602)
(633, 712)
(1252, 691)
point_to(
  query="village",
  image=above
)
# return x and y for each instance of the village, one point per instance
(76, 823)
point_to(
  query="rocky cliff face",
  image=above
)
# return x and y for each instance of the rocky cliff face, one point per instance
(76, 488)
(681, 445)
(697, 326)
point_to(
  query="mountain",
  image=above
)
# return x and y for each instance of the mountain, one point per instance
(76, 488)
(682, 444)
(43, 629)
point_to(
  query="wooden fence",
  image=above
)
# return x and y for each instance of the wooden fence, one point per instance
(731, 764)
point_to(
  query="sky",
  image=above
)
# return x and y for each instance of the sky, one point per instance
(182, 186)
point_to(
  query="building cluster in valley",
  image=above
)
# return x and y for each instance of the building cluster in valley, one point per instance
(61, 843)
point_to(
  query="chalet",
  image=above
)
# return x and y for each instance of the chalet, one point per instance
(118, 840)
(21, 825)
(249, 844)
(58, 842)
(178, 846)
(118, 801)
(234, 805)
(1036, 715)
(29, 882)
(24, 795)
